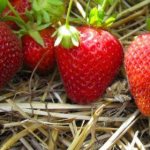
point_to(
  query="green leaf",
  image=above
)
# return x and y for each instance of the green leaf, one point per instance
(3, 4)
(148, 24)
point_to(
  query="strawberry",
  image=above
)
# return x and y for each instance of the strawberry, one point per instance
(38, 45)
(21, 6)
(88, 69)
(34, 53)
(10, 54)
(137, 65)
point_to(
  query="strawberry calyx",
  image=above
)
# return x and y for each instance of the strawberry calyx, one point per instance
(98, 17)
(67, 36)
(46, 11)
(26, 28)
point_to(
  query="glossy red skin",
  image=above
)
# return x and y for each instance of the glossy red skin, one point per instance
(10, 54)
(87, 70)
(33, 52)
(137, 65)
(21, 6)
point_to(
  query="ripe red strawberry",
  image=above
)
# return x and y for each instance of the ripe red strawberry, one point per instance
(35, 53)
(89, 68)
(10, 54)
(21, 6)
(137, 64)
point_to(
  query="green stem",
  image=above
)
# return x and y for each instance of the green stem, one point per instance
(68, 13)
(104, 4)
(135, 7)
(16, 13)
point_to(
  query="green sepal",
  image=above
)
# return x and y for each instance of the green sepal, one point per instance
(67, 36)
(148, 24)
(46, 17)
(29, 15)
(58, 39)
(75, 40)
(44, 26)
(37, 37)
(39, 19)
(3, 4)
(110, 20)
(96, 16)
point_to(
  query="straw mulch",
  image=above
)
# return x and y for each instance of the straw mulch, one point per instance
(35, 113)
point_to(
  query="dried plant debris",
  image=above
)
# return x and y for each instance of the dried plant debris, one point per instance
(118, 92)
(36, 114)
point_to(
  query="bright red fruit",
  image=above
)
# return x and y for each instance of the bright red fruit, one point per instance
(21, 6)
(88, 69)
(137, 65)
(10, 54)
(35, 53)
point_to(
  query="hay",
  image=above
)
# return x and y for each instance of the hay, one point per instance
(36, 114)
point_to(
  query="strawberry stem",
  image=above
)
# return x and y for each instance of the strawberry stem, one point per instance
(15, 13)
(68, 13)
